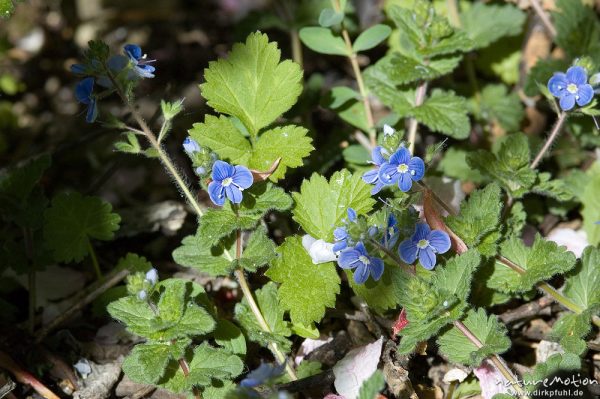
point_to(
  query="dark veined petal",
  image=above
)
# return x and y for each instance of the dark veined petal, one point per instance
(422, 231)
(234, 194)
(567, 101)
(348, 258)
(388, 173)
(558, 84)
(408, 251)
(222, 170)
(242, 177)
(216, 193)
(351, 214)
(133, 51)
(439, 240)
(427, 258)
(361, 274)
(360, 247)
(576, 75)
(402, 156)
(83, 90)
(376, 267)
(92, 111)
(417, 166)
(586, 93)
(371, 176)
(340, 233)
(405, 182)
(377, 156)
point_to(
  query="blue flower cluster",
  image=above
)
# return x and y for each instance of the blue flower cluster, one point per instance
(401, 168)
(151, 279)
(571, 87)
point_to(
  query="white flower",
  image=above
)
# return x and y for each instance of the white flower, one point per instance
(320, 251)
(388, 130)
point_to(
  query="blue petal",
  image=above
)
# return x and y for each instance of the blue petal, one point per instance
(371, 176)
(348, 258)
(378, 186)
(422, 231)
(351, 214)
(361, 249)
(234, 194)
(340, 233)
(558, 84)
(439, 240)
(427, 258)
(400, 156)
(340, 245)
(190, 145)
(222, 170)
(392, 221)
(83, 90)
(78, 69)
(577, 75)
(377, 156)
(567, 101)
(388, 173)
(145, 71)
(215, 192)
(92, 111)
(133, 51)
(376, 267)
(242, 177)
(405, 182)
(586, 93)
(361, 274)
(417, 166)
(408, 251)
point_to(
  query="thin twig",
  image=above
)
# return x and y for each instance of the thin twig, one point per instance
(537, 7)
(562, 117)
(24, 377)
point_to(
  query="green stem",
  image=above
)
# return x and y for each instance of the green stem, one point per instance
(453, 14)
(94, 259)
(296, 47)
(413, 124)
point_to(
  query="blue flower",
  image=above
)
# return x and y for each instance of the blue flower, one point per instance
(340, 235)
(390, 237)
(424, 244)
(78, 69)
(403, 169)
(83, 93)
(358, 258)
(230, 181)
(571, 88)
(140, 63)
(200, 170)
(351, 215)
(262, 374)
(142, 295)
(191, 146)
(372, 176)
(152, 276)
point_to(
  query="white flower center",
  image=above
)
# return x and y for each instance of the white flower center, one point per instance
(364, 259)
(572, 88)
(422, 244)
(402, 168)
(227, 181)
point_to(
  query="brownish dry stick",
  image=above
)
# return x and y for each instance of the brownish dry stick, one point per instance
(142, 393)
(24, 377)
(525, 311)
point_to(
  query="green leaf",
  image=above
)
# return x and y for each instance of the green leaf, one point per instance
(217, 223)
(590, 199)
(404, 69)
(383, 294)
(491, 333)
(570, 329)
(454, 164)
(497, 104)
(330, 17)
(556, 188)
(306, 289)
(147, 363)
(582, 285)
(555, 363)
(577, 28)
(506, 20)
(371, 37)
(541, 72)
(273, 312)
(17, 183)
(73, 220)
(354, 114)
(323, 41)
(341, 95)
(251, 84)
(200, 254)
(6, 8)
(131, 146)
(290, 143)
(259, 251)
(356, 154)
(371, 387)
(221, 136)
(230, 337)
(455, 279)
(320, 206)
(478, 217)
(540, 262)
(444, 112)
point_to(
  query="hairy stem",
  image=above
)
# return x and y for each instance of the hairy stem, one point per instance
(562, 117)
(94, 259)
(413, 124)
(537, 7)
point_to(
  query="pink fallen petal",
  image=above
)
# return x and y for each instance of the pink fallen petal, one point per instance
(355, 368)
(490, 380)
(574, 240)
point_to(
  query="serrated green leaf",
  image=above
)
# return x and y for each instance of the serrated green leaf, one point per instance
(146, 363)
(259, 251)
(570, 329)
(402, 69)
(306, 289)
(6, 8)
(251, 84)
(290, 143)
(135, 314)
(219, 389)
(497, 104)
(555, 188)
(217, 223)
(320, 206)
(455, 277)
(221, 136)
(556, 362)
(577, 29)
(582, 285)
(371, 387)
(383, 294)
(454, 164)
(73, 220)
(17, 183)
(491, 333)
(590, 199)
(230, 337)
(200, 254)
(371, 37)
(323, 41)
(506, 20)
(444, 112)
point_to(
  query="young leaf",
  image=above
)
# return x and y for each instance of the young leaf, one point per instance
(323, 41)
(73, 220)
(492, 334)
(131, 146)
(259, 251)
(577, 28)
(221, 136)
(217, 223)
(506, 20)
(330, 17)
(147, 363)
(582, 285)
(444, 112)
(555, 363)
(402, 69)
(570, 329)
(321, 206)
(199, 253)
(372, 386)
(371, 37)
(251, 84)
(230, 337)
(383, 294)
(306, 289)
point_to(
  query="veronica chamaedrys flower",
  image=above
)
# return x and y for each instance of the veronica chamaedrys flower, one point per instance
(402, 168)
(424, 244)
(152, 277)
(571, 87)
(84, 94)
(228, 181)
(390, 237)
(190, 145)
(140, 62)
(262, 374)
(357, 258)
(340, 236)
(372, 176)
(319, 250)
(351, 215)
